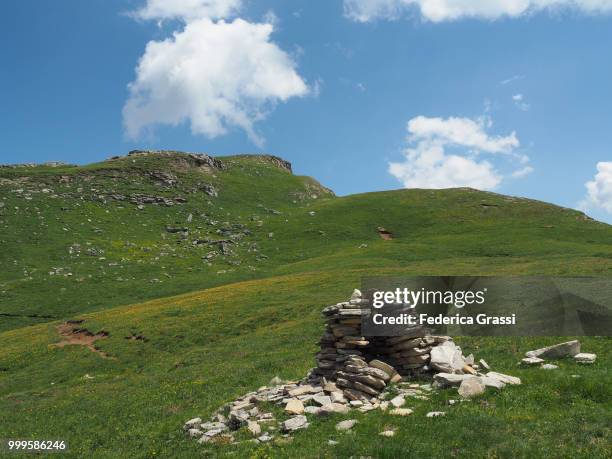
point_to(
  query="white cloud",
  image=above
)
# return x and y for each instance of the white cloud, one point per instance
(429, 164)
(519, 102)
(599, 190)
(523, 172)
(187, 9)
(449, 10)
(215, 75)
(512, 79)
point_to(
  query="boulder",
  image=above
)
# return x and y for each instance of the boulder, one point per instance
(447, 358)
(569, 348)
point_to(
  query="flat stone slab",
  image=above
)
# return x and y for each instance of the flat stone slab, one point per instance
(532, 361)
(295, 423)
(583, 357)
(568, 348)
(401, 412)
(506, 379)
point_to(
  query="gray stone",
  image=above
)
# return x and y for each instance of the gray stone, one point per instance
(435, 414)
(265, 438)
(295, 423)
(532, 360)
(549, 366)
(568, 348)
(334, 408)
(471, 387)
(312, 410)
(346, 425)
(195, 433)
(583, 357)
(321, 400)
(192, 423)
(492, 382)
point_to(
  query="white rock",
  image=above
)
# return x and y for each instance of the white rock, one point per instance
(434, 414)
(447, 358)
(346, 425)
(583, 357)
(321, 400)
(387, 433)
(195, 433)
(484, 364)
(401, 412)
(532, 360)
(549, 366)
(398, 401)
(507, 379)
(356, 295)
(492, 382)
(471, 387)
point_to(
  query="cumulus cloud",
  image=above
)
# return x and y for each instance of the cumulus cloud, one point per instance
(213, 74)
(599, 190)
(187, 9)
(447, 153)
(449, 10)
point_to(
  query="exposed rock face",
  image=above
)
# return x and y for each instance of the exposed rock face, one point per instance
(200, 160)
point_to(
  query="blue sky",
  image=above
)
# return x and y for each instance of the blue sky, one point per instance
(363, 95)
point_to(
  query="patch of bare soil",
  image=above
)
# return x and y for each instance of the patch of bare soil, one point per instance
(73, 335)
(383, 233)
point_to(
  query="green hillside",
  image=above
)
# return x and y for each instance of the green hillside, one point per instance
(216, 286)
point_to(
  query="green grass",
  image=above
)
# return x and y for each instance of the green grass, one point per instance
(243, 319)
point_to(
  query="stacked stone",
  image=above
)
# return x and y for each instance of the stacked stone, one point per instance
(364, 382)
(411, 355)
(342, 338)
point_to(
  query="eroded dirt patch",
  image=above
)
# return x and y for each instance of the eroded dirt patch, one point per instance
(74, 335)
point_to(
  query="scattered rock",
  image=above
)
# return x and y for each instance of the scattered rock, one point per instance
(549, 366)
(569, 348)
(471, 387)
(295, 423)
(585, 358)
(294, 406)
(346, 425)
(506, 379)
(532, 361)
(398, 401)
(254, 428)
(387, 433)
(434, 414)
(334, 408)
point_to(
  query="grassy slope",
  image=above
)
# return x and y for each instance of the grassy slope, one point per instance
(206, 347)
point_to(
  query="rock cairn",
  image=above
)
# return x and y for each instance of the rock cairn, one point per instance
(407, 355)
